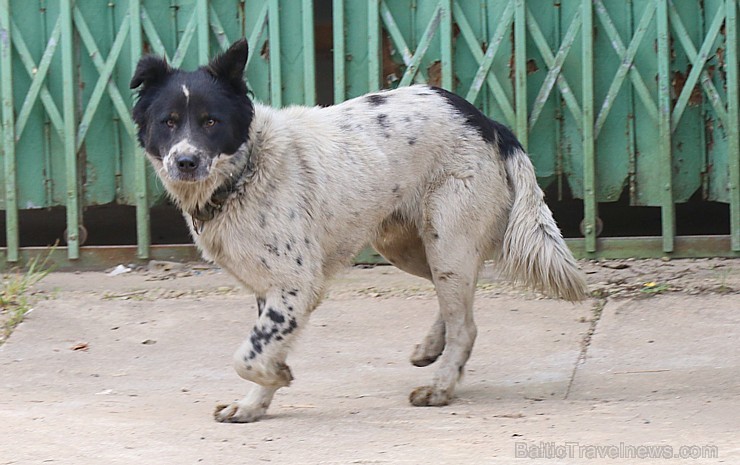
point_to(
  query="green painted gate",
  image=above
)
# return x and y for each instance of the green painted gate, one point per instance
(644, 102)
(67, 135)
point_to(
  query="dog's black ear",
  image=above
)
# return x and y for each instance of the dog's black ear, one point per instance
(229, 66)
(150, 71)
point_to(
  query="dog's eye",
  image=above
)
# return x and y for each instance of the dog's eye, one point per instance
(209, 123)
(170, 122)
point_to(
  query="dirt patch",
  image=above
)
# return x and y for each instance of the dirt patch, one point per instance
(634, 278)
(613, 279)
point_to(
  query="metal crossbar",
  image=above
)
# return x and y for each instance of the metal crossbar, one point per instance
(698, 61)
(485, 60)
(39, 74)
(627, 57)
(411, 61)
(555, 65)
(105, 68)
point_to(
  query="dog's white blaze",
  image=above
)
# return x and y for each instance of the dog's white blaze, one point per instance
(183, 146)
(186, 91)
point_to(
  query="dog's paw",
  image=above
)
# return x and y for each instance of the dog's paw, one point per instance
(429, 396)
(422, 356)
(237, 413)
(430, 348)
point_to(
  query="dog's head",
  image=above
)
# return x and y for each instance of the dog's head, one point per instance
(190, 121)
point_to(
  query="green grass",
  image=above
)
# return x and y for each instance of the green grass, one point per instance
(15, 298)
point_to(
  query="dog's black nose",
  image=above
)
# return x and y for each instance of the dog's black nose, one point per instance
(187, 163)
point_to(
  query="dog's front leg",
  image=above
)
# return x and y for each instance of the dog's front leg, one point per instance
(249, 409)
(261, 357)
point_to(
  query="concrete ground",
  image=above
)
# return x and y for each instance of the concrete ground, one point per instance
(128, 369)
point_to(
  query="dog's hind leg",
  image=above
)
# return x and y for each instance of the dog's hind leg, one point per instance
(429, 350)
(399, 242)
(455, 270)
(457, 238)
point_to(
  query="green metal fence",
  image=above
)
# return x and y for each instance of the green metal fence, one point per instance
(646, 100)
(67, 135)
(608, 96)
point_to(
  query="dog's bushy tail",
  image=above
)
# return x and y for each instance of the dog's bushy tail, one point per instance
(534, 252)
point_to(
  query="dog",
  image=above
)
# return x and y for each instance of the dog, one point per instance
(283, 199)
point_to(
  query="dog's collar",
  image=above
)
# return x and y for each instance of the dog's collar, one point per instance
(215, 203)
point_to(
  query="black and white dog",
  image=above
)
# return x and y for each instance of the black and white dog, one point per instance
(284, 198)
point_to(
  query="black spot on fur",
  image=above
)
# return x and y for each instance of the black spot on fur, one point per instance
(273, 249)
(385, 125)
(396, 188)
(256, 345)
(376, 99)
(491, 131)
(275, 316)
(264, 262)
(292, 325)
(383, 121)
(261, 337)
(508, 144)
(260, 305)
(293, 292)
(412, 140)
(299, 261)
(288, 247)
(283, 297)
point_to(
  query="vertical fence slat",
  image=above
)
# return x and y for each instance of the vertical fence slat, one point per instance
(309, 55)
(733, 133)
(520, 67)
(445, 39)
(340, 92)
(143, 229)
(664, 124)
(201, 11)
(373, 38)
(70, 130)
(6, 90)
(589, 155)
(276, 90)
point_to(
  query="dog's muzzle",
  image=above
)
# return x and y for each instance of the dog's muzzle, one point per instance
(186, 163)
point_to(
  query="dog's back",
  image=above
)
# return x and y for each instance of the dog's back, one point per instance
(388, 154)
